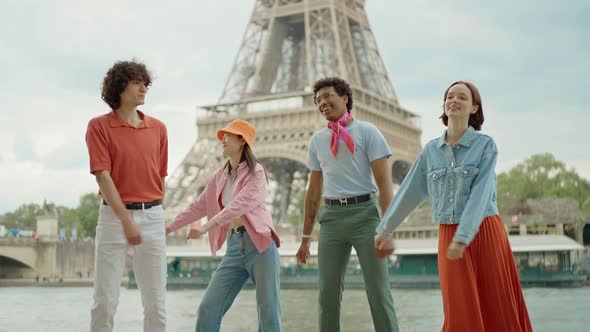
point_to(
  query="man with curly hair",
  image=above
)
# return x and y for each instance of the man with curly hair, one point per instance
(129, 157)
(343, 158)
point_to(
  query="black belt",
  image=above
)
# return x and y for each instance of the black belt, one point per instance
(139, 206)
(238, 229)
(348, 200)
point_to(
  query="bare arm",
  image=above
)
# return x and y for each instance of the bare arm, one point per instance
(163, 190)
(383, 179)
(313, 199)
(111, 195)
(113, 199)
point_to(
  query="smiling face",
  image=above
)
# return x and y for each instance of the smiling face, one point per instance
(459, 103)
(331, 105)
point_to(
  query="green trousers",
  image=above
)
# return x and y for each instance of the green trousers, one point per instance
(344, 227)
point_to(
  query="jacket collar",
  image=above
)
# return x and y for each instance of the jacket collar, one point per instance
(465, 140)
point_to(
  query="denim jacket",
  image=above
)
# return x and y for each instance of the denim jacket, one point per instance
(459, 181)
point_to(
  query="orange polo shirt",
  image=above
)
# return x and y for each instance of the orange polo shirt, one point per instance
(137, 158)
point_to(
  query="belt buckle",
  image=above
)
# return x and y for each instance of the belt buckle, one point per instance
(235, 229)
(343, 201)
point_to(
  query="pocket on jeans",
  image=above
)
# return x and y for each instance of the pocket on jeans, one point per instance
(321, 213)
(106, 215)
(154, 214)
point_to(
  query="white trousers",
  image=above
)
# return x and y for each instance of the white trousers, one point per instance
(149, 266)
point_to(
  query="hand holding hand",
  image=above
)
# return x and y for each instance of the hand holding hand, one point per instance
(385, 247)
(196, 232)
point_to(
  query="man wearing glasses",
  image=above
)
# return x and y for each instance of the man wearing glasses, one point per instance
(343, 159)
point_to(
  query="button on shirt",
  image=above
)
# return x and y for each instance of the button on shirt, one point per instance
(460, 183)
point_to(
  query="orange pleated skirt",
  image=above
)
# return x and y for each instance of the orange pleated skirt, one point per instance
(481, 291)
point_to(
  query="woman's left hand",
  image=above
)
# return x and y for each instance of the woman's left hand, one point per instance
(456, 250)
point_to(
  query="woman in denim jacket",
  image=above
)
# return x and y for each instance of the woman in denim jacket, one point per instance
(478, 278)
(233, 202)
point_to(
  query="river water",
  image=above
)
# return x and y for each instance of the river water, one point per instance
(68, 309)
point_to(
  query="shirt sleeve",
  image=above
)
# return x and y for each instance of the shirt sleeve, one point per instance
(411, 193)
(376, 144)
(194, 212)
(313, 163)
(98, 147)
(482, 192)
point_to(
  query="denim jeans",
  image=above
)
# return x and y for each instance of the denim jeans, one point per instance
(241, 262)
(149, 265)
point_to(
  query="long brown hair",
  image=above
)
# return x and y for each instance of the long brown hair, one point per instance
(249, 157)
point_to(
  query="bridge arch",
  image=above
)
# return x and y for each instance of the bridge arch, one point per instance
(24, 255)
(9, 261)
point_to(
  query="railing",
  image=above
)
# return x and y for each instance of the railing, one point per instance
(18, 242)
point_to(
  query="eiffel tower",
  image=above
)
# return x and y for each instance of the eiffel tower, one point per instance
(287, 46)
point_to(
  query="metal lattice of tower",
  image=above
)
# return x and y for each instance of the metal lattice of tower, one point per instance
(287, 46)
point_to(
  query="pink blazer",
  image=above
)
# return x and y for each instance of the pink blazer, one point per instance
(247, 204)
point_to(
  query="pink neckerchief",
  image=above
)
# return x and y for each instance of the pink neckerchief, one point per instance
(339, 131)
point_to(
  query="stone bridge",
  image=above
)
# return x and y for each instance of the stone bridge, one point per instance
(45, 255)
(21, 257)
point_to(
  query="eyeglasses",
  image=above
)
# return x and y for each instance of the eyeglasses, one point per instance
(318, 99)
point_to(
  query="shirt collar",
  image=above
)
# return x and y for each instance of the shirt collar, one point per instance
(465, 140)
(116, 121)
(242, 165)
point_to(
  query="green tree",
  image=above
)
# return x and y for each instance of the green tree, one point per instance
(540, 176)
(68, 218)
(24, 217)
(88, 214)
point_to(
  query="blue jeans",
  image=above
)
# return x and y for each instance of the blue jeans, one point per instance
(242, 261)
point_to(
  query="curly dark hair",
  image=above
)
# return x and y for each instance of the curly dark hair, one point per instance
(115, 82)
(475, 119)
(341, 86)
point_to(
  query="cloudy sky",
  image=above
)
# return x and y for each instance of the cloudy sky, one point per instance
(530, 60)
